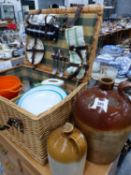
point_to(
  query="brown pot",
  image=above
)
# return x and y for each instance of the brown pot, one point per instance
(104, 116)
(67, 150)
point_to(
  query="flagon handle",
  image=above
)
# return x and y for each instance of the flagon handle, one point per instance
(80, 143)
(122, 87)
(77, 138)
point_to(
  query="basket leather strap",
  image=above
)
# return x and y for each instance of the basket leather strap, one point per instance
(78, 51)
(77, 70)
(33, 55)
(27, 19)
(67, 22)
(13, 122)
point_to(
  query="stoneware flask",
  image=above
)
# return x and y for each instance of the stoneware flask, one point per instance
(67, 150)
(104, 116)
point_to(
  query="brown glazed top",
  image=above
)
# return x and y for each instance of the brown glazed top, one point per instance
(103, 108)
(66, 144)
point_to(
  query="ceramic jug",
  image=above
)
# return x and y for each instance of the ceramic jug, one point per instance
(104, 116)
(67, 150)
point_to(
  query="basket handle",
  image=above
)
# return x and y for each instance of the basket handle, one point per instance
(13, 123)
(4, 127)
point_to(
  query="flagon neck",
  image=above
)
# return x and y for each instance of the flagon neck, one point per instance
(106, 84)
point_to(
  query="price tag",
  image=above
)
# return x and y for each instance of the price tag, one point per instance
(102, 104)
(4, 65)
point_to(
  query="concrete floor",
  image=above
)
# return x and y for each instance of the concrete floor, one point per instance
(125, 168)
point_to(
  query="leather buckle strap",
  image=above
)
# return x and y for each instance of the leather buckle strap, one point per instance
(72, 22)
(78, 49)
(73, 48)
(67, 22)
(79, 66)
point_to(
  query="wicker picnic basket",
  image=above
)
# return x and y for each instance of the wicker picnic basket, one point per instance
(30, 132)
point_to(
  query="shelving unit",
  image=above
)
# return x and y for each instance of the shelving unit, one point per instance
(10, 63)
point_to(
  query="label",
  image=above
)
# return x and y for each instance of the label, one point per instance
(5, 65)
(102, 104)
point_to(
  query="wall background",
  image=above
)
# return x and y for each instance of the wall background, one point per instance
(68, 2)
(46, 3)
(123, 7)
(17, 8)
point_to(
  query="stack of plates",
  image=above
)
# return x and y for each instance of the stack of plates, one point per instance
(42, 98)
(113, 50)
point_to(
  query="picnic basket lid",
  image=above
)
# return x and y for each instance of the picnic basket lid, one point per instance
(90, 19)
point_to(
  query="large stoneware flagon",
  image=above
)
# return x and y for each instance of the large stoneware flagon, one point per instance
(104, 116)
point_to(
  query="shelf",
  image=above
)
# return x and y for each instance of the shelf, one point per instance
(8, 64)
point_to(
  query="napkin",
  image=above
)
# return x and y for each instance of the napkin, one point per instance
(75, 37)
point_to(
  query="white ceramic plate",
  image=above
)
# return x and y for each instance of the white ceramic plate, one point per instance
(38, 55)
(48, 87)
(42, 98)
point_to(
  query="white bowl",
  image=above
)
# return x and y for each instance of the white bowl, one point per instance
(53, 81)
